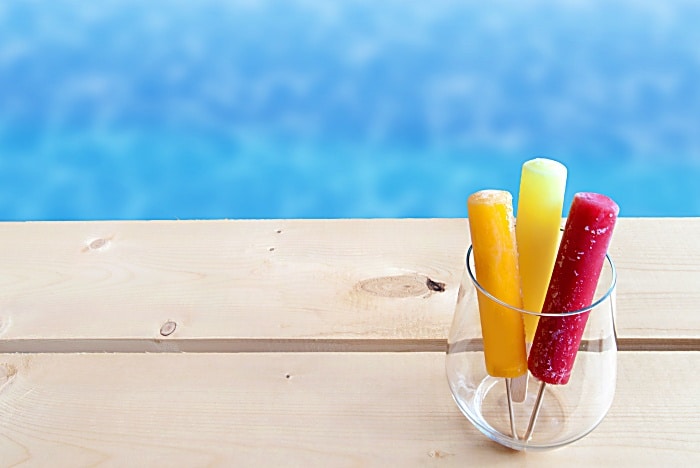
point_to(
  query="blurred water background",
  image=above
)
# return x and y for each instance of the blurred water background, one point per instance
(125, 109)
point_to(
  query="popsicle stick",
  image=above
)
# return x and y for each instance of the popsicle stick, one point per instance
(519, 388)
(535, 412)
(511, 414)
(520, 383)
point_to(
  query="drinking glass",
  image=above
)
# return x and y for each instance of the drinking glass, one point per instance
(564, 413)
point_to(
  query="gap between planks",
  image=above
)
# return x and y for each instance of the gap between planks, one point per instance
(290, 345)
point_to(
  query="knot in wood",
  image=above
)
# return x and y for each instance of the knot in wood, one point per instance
(98, 244)
(409, 285)
(168, 328)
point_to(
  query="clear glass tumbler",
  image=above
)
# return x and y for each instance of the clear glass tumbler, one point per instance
(565, 413)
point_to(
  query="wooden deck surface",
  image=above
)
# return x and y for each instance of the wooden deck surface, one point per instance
(305, 342)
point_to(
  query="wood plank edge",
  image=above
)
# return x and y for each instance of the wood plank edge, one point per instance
(220, 345)
(289, 345)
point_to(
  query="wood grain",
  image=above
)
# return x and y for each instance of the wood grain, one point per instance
(111, 286)
(308, 409)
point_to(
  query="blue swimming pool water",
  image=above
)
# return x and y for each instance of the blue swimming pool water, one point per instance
(124, 109)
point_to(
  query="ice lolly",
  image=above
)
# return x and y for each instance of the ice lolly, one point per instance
(540, 202)
(491, 225)
(580, 258)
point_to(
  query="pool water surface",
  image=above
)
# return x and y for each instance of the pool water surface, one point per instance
(124, 109)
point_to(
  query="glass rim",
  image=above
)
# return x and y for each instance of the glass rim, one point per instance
(596, 303)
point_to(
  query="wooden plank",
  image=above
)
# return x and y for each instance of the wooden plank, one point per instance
(309, 409)
(658, 261)
(324, 279)
(112, 286)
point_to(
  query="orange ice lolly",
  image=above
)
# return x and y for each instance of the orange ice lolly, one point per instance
(540, 202)
(491, 225)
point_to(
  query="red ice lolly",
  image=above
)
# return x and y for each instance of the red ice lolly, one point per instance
(580, 258)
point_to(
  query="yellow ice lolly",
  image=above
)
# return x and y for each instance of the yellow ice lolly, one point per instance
(537, 231)
(491, 225)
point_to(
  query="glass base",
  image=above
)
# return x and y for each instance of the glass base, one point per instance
(488, 411)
